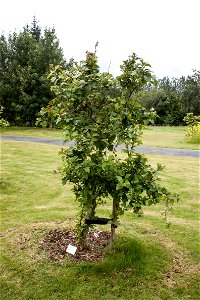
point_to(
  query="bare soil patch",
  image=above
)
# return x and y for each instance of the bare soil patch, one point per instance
(57, 241)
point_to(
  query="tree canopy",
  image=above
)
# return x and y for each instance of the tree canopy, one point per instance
(174, 98)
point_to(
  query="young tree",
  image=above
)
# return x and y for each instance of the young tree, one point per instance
(24, 66)
(99, 113)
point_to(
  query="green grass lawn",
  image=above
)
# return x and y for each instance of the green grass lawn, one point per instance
(167, 137)
(154, 136)
(149, 260)
(32, 132)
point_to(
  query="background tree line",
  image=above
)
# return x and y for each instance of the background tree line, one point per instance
(173, 98)
(24, 65)
(25, 58)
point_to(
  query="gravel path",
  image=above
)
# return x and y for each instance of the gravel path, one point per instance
(143, 149)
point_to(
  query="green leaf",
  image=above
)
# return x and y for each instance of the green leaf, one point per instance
(87, 169)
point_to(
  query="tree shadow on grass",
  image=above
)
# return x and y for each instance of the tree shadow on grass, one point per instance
(131, 256)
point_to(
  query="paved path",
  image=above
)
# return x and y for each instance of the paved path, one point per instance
(143, 149)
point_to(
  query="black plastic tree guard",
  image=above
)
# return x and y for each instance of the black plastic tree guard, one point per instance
(98, 221)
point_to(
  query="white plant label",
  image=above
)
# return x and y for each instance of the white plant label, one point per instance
(71, 249)
(96, 235)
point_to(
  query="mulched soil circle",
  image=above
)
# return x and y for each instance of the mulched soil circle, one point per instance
(57, 241)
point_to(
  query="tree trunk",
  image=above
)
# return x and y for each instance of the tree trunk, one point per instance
(83, 235)
(114, 220)
(90, 214)
(112, 238)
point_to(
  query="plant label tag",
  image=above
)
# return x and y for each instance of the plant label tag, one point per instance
(71, 249)
(96, 235)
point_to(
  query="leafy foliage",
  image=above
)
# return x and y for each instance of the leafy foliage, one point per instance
(193, 128)
(3, 123)
(193, 134)
(173, 98)
(190, 96)
(99, 113)
(190, 119)
(24, 66)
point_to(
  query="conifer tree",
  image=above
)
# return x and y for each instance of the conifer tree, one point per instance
(25, 58)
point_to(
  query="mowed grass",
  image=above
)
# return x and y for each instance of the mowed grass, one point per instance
(167, 137)
(153, 136)
(149, 260)
(35, 132)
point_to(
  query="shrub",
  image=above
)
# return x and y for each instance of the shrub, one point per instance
(193, 134)
(3, 123)
(190, 119)
(193, 128)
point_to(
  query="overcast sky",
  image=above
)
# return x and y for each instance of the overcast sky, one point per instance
(165, 33)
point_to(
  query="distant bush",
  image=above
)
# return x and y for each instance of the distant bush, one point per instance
(190, 119)
(193, 128)
(3, 123)
(193, 134)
